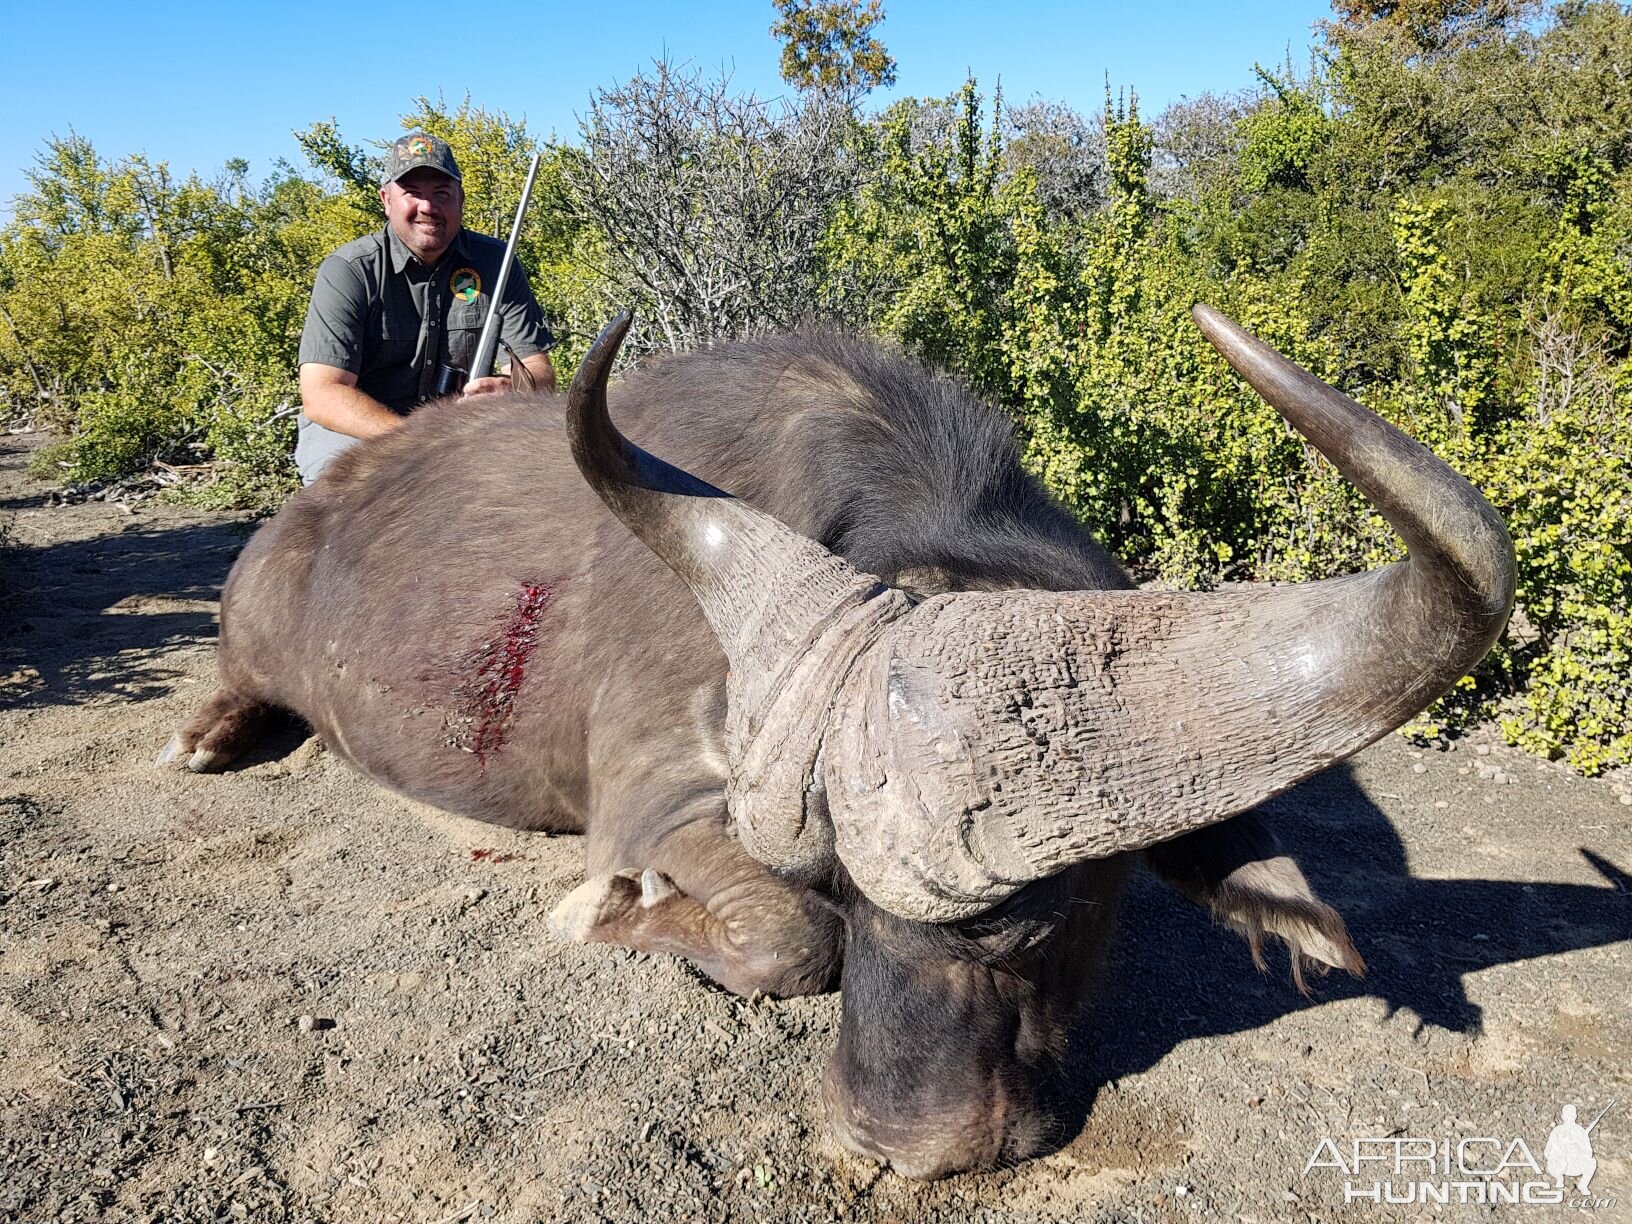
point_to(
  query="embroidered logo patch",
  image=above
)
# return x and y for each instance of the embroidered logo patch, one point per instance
(419, 147)
(466, 284)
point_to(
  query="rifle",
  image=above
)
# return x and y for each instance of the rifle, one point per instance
(1599, 1118)
(450, 378)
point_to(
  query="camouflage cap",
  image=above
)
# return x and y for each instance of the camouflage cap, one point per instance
(418, 149)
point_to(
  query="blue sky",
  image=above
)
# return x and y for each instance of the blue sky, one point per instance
(196, 84)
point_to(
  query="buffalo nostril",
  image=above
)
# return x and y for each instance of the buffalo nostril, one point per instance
(925, 1147)
(915, 1160)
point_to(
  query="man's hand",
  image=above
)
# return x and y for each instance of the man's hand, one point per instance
(495, 385)
(540, 376)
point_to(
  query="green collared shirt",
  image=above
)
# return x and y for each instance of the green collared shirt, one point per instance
(381, 314)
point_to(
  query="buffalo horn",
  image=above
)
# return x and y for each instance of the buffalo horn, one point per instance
(791, 616)
(990, 739)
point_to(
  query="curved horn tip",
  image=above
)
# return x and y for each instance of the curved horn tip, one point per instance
(1219, 328)
(597, 362)
(597, 447)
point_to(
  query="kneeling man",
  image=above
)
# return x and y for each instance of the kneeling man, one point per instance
(391, 308)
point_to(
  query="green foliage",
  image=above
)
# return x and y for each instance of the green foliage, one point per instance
(1588, 260)
(925, 251)
(1564, 484)
(1446, 339)
(1282, 138)
(829, 44)
(354, 173)
(1462, 273)
(137, 302)
(1431, 25)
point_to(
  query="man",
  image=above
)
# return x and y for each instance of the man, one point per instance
(390, 308)
(1569, 1150)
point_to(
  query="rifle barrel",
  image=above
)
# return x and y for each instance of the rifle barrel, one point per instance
(487, 346)
(1600, 1116)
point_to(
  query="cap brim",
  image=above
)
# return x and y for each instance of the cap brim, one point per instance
(423, 166)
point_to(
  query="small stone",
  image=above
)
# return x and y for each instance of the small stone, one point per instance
(1499, 778)
(474, 895)
(1482, 750)
(1626, 800)
(1441, 804)
(309, 1024)
(1419, 768)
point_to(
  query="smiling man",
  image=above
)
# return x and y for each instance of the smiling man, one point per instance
(391, 308)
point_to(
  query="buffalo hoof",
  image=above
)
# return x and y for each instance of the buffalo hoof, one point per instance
(606, 898)
(200, 760)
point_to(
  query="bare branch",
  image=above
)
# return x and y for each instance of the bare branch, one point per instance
(711, 205)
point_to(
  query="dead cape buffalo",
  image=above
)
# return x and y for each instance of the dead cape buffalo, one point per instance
(881, 714)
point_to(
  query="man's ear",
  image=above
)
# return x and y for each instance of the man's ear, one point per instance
(1238, 870)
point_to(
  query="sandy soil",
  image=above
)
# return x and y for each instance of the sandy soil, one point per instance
(162, 935)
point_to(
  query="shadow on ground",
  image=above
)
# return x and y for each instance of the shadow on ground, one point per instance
(1175, 976)
(90, 619)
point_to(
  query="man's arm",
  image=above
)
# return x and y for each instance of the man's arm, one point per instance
(330, 398)
(331, 354)
(538, 365)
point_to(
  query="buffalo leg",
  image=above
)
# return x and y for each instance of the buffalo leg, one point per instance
(695, 893)
(1239, 871)
(218, 733)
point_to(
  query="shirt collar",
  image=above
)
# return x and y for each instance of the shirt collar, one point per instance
(400, 254)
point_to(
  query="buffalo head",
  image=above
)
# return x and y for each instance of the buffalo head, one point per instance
(962, 775)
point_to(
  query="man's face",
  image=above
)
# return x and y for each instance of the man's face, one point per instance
(426, 209)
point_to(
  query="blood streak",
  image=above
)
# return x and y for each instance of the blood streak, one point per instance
(500, 669)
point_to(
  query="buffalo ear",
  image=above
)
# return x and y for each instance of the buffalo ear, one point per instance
(1239, 872)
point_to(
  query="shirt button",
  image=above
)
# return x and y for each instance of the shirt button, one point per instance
(433, 324)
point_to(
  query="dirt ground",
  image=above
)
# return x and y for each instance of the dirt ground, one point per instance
(163, 935)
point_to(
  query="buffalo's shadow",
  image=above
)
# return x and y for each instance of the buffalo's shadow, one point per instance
(75, 625)
(1174, 974)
